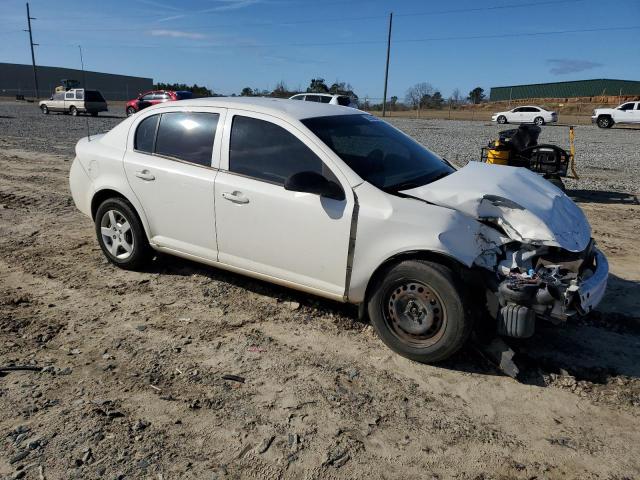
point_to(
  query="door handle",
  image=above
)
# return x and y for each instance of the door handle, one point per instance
(145, 175)
(235, 197)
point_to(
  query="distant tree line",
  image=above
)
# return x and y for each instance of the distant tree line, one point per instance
(422, 95)
(196, 89)
(317, 85)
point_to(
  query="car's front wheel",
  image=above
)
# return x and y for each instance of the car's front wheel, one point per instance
(121, 235)
(502, 119)
(418, 310)
(45, 109)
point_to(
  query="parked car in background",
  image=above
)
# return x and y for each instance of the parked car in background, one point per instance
(336, 202)
(74, 102)
(154, 97)
(329, 98)
(628, 112)
(525, 114)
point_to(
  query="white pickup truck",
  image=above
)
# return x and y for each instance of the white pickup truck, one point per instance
(626, 113)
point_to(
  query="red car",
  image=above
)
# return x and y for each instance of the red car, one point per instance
(153, 97)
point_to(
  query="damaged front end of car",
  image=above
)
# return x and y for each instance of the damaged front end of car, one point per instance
(547, 266)
(541, 282)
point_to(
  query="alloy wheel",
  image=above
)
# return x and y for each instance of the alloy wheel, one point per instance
(116, 234)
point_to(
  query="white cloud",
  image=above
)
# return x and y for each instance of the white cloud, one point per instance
(226, 5)
(177, 34)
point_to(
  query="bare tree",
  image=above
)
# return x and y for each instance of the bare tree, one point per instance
(455, 97)
(416, 95)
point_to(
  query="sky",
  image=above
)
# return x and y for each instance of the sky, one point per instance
(230, 44)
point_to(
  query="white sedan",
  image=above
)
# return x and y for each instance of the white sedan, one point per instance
(526, 114)
(335, 202)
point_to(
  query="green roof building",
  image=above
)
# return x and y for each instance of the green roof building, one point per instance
(579, 88)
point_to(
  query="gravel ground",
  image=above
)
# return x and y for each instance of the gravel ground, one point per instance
(607, 160)
(185, 371)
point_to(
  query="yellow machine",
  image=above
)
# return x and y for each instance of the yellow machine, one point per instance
(519, 148)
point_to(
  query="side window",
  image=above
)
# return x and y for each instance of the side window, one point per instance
(187, 136)
(517, 110)
(58, 96)
(265, 151)
(638, 106)
(79, 94)
(344, 101)
(146, 134)
(147, 97)
(312, 98)
(324, 99)
(298, 97)
(627, 106)
(69, 96)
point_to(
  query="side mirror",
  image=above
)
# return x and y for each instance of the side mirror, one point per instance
(312, 182)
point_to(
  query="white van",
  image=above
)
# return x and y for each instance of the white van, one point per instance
(75, 101)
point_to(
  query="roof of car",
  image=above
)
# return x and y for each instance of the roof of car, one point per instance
(274, 106)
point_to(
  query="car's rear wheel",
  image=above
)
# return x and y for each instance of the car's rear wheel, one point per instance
(538, 121)
(418, 310)
(73, 111)
(502, 119)
(45, 109)
(605, 122)
(121, 235)
(130, 111)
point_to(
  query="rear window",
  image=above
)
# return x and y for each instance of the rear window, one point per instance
(344, 101)
(187, 136)
(93, 96)
(184, 95)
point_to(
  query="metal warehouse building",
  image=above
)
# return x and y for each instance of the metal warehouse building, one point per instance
(581, 88)
(16, 79)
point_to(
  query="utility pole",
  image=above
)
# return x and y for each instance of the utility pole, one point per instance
(386, 70)
(33, 57)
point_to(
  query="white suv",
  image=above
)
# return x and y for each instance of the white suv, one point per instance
(526, 114)
(626, 113)
(336, 202)
(343, 100)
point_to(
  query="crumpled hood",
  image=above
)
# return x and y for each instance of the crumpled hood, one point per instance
(526, 206)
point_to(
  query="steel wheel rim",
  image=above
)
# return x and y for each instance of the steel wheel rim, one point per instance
(415, 313)
(117, 235)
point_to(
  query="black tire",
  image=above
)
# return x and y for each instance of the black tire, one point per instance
(130, 111)
(73, 111)
(502, 119)
(45, 109)
(538, 121)
(135, 237)
(398, 312)
(604, 121)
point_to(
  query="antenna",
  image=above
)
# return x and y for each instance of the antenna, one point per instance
(84, 86)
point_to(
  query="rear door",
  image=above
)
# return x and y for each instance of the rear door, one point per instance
(289, 236)
(171, 164)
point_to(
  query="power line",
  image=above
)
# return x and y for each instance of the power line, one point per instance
(362, 42)
(159, 26)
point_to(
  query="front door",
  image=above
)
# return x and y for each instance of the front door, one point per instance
(291, 236)
(170, 164)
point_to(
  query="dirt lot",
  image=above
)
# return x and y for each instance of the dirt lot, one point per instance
(134, 384)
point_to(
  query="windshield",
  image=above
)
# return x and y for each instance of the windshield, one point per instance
(377, 152)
